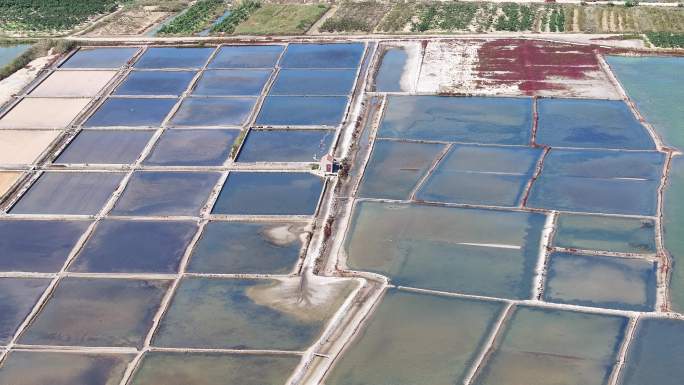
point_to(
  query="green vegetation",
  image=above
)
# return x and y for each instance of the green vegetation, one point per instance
(361, 16)
(238, 14)
(281, 19)
(398, 17)
(198, 17)
(666, 39)
(557, 20)
(50, 15)
(41, 48)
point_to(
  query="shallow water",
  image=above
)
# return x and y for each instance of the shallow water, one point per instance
(222, 313)
(63, 368)
(658, 94)
(135, 247)
(599, 181)
(131, 112)
(458, 119)
(395, 168)
(615, 283)
(244, 247)
(104, 57)
(155, 83)
(97, 312)
(388, 77)
(247, 82)
(481, 175)
(286, 145)
(17, 298)
(213, 112)
(302, 111)
(166, 193)
(83, 193)
(174, 57)
(212, 368)
(544, 347)
(105, 147)
(192, 147)
(655, 356)
(473, 251)
(415, 338)
(247, 56)
(590, 123)
(589, 232)
(344, 55)
(23, 251)
(314, 82)
(11, 52)
(673, 223)
(269, 193)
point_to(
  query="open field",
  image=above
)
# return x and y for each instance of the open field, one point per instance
(136, 18)
(356, 17)
(281, 19)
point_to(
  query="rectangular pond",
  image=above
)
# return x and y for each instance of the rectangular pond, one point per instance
(471, 251)
(395, 168)
(43, 113)
(166, 193)
(18, 296)
(601, 281)
(97, 312)
(133, 112)
(548, 346)
(314, 82)
(22, 250)
(590, 124)
(63, 368)
(269, 193)
(247, 248)
(391, 71)
(458, 119)
(247, 56)
(23, 147)
(248, 82)
(193, 147)
(250, 314)
(286, 145)
(104, 57)
(654, 356)
(481, 175)
(411, 339)
(177, 368)
(134, 247)
(213, 111)
(105, 147)
(174, 57)
(341, 55)
(79, 193)
(602, 233)
(155, 83)
(302, 111)
(73, 84)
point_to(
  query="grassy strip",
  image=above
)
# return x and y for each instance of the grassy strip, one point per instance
(361, 16)
(41, 48)
(239, 14)
(195, 19)
(50, 15)
(666, 39)
(281, 19)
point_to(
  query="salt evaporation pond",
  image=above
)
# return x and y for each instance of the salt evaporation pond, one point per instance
(388, 77)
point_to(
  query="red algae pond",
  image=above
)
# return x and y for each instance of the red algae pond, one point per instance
(344, 211)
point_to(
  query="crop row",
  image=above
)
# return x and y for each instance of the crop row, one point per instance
(194, 19)
(50, 15)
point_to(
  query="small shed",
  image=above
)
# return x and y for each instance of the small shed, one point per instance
(327, 163)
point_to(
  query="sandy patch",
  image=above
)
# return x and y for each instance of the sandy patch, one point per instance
(312, 298)
(7, 180)
(23, 147)
(449, 67)
(286, 234)
(73, 83)
(130, 22)
(48, 113)
(13, 84)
